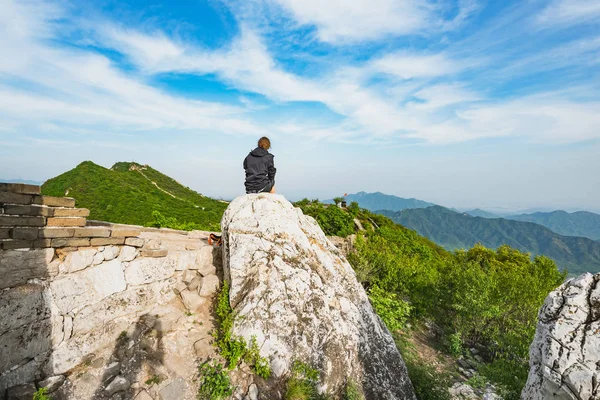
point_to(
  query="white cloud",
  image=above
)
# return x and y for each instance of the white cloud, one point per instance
(566, 12)
(407, 65)
(350, 21)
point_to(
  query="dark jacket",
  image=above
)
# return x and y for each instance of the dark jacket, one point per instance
(260, 169)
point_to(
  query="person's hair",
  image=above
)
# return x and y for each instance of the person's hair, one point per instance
(264, 143)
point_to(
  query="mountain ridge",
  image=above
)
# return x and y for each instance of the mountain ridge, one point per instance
(458, 230)
(132, 193)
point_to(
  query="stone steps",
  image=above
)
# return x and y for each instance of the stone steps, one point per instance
(29, 219)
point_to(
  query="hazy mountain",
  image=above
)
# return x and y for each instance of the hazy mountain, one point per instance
(478, 212)
(381, 201)
(459, 230)
(29, 182)
(581, 223)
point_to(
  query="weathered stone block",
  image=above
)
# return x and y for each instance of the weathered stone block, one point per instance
(135, 242)
(77, 260)
(52, 383)
(71, 212)
(51, 233)
(18, 376)
(92, 232)
(16, 244)
(22, 188)
(8, 220)
(18, 266)
(66, 221)
(210, 286)
(5, 233)
(43, 211)
(15, 198)
(54, 201)
(88, 286)
(107, 241)
(125, 232)
(154, 253)
(128, 253)
(70, 242)
(25, 233)
(192, 300)
(145, 270)
(111, 252)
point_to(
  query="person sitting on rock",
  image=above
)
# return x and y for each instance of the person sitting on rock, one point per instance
(260, 169)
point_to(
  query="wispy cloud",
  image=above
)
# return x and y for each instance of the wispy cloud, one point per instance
(565, 12)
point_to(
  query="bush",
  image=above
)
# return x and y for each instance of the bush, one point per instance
(393, 311)
(214, 382)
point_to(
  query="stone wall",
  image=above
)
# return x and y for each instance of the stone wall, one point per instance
(96, 310)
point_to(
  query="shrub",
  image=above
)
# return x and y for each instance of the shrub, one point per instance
(214, 382)
(41, 394)
(392, 310)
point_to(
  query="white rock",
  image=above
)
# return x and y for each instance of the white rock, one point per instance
(252, 392)
(128, 253)
(52, 383)
(146, 270)
(118, 384)
(284, 273)
(78, 260)
(567, 339)
(210, 286)
(98, 258)
(191, 300)
(88, 286)
(111, 252)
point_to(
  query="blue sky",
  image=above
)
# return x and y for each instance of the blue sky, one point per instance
(466, 103)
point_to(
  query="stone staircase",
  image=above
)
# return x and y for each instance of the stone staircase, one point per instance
(30, 220)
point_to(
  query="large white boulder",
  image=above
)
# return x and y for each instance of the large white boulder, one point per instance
(294, 291)
(565, 353)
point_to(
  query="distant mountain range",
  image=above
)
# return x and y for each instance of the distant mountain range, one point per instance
(29, 182)
(454, 230)
(381, 201)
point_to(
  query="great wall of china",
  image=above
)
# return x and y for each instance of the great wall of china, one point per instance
(99, 310)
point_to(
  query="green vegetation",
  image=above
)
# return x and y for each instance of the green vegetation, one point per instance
(234, 348)
(393, 311)
(477, 297)
(129, 193)
(155, 380)
(429, 384)
(333, 220)
(214, 382)
(302, 384)
(353, 391)
(457, 230)
(41, 394)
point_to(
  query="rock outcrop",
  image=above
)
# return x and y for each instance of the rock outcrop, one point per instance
(294, 291)
(565, 353)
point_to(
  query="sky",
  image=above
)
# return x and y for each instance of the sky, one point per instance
(464, 103)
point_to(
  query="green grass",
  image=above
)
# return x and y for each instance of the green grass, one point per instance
(214, 382)
(125, 196)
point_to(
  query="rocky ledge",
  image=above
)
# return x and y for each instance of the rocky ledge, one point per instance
(565, 353)
(293, 290)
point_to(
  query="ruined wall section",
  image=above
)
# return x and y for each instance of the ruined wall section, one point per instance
(70, 288)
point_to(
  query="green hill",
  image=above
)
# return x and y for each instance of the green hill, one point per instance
(131, 193)
(459, 230)
(581, 223)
